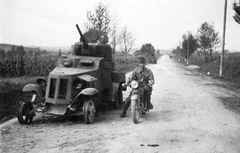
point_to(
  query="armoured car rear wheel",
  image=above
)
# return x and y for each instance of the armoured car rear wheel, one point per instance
(119, 98)
(89, 111)
(25, 112)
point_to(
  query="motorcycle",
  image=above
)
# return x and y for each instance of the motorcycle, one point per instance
(138, 107)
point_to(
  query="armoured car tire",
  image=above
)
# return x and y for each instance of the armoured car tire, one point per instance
(24, 112)
(120, 96)
(89, 111)
(135, 111)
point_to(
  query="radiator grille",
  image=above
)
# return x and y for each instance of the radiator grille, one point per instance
(63, 88)
(52, 87)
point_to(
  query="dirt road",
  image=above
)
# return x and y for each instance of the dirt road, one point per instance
(188, 117)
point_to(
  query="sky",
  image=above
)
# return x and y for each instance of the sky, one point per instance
(162, 23)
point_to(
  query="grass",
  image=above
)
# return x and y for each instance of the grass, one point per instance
(11, 84)
(11, 95)
(231, 68)
(120, 65)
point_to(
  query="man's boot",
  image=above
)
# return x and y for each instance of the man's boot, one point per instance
(123, 114)
(150, 106)
(125, 107)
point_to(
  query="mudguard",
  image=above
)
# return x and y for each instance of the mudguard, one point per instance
(89, 91)
(134, 97)
(34, 87)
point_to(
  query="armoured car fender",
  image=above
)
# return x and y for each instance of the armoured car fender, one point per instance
(89, 91)
(36, 88)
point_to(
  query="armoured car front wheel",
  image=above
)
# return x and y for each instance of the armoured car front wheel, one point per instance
(25, 112)
(89, 111)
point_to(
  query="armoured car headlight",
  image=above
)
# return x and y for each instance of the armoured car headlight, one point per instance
(78, 84)
(134, 84)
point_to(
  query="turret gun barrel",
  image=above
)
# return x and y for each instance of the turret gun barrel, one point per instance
(85, 44)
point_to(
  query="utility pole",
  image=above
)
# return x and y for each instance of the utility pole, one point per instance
(223, 42)
(188, 50)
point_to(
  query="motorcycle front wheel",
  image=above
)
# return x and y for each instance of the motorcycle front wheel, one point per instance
(135, 111)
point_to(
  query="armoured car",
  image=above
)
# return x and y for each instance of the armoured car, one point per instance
(78, 85)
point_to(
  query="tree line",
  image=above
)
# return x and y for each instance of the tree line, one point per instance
(15, 51)
(206, 39)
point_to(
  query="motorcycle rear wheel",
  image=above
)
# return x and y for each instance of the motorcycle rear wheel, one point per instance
(135, 111)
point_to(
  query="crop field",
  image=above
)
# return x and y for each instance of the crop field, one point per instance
(25, 66)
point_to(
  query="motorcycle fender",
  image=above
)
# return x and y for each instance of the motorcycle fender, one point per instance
(34, 87)
(89, 91)
(134, 97)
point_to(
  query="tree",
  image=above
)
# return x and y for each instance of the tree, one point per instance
(147, 50)
(30, 53)
(2, 53)
(20, 51)
(189, 45)
(236, 8)
(99, 19)
(178, 52)
(137, 53)
(115, 39)
(126, 42)
(208, 38)
(59, 53)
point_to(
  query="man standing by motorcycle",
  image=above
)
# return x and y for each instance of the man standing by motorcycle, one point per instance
(146, 80)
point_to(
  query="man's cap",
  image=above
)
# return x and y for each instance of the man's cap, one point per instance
(141, 60)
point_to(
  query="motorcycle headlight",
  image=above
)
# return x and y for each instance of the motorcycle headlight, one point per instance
(134, 84)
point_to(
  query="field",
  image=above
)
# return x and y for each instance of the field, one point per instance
(25, 66)
(16, 73)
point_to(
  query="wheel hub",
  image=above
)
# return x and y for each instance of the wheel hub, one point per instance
(92, 112)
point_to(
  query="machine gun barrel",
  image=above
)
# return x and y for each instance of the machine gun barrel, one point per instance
(85, 44)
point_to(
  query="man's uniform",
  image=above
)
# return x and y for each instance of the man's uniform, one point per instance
(145, 78)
